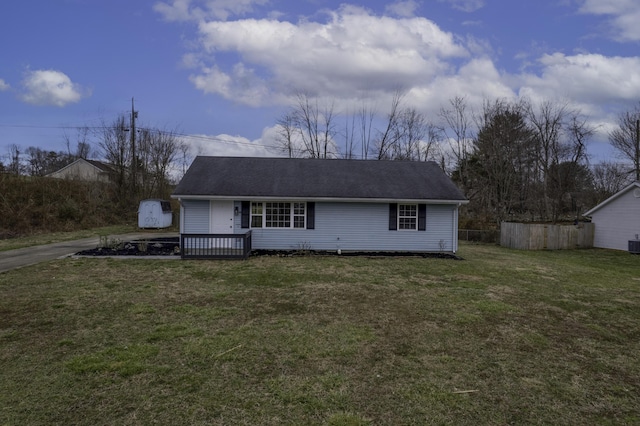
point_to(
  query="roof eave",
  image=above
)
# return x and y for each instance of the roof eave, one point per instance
(319, 199)
(612, 198)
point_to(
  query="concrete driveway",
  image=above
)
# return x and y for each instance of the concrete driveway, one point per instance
(18, 258)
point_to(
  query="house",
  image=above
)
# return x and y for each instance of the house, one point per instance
(617, 219)
(325, 205)
(82, 169)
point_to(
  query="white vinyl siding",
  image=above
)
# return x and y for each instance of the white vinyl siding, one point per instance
(343, 226)
(195, 218)
(617, 222)
(362, 227)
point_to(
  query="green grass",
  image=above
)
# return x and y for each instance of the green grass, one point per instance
(58, 237)
(502, 337)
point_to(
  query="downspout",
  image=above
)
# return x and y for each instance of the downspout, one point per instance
(181, 216)
(455, 229)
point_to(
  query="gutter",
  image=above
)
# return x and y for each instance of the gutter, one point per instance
(318, 199)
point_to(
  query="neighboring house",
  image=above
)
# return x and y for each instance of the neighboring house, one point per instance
(617, 219)
(90, 170)
(334, 205)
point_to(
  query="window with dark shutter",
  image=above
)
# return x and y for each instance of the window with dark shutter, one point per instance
(393, 217)
(311, 215)
(422, 217)
(246, 212)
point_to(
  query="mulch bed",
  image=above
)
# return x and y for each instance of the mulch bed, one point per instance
(377, 254)
(171, 247)
(151, 247)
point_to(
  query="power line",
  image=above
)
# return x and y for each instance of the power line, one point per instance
(205, 137)
(200, 137)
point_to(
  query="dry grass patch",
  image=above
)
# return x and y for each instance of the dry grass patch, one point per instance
(57, 237)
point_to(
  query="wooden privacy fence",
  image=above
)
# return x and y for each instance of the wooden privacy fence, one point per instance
(523, 236)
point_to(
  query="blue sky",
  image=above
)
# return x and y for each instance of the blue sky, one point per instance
(225, 70)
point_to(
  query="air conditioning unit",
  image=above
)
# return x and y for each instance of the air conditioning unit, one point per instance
(634, 246)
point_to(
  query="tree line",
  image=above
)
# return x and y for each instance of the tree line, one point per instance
(513, 160)
(142, 159)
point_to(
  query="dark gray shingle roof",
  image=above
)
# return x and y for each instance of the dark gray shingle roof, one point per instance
(100, 165)
(249, 177)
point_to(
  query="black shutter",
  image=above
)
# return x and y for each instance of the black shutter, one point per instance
(311, 215)
(393, 217)
(246, 213)
(422, 217)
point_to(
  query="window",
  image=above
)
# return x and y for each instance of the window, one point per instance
(408, 216)
(256, 215)
(278, 215)
(298, 215)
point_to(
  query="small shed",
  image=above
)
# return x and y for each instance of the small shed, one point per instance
(154, 213)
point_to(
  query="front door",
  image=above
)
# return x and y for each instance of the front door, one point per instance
(221, 217)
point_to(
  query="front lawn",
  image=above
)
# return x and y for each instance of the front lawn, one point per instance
(502, 337)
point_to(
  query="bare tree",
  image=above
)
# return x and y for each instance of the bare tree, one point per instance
(286, 134)
(430, 149)
(456, 123)
(315, 125)
(359, 131)
(409, 135)
(366, 115)
(626, 138)
(162, 152)
(502, 155)
(37, 161)
(15, 165)
(114, 142)
(608, 179)
(561, 134)
(185, 157)
(349, 136)
(41, 162)
(387, 138)
(547, 122)
(82, 145)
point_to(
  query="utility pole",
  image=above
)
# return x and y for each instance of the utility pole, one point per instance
(134, 160)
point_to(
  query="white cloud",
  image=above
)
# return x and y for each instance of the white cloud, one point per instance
(404, 9)
(476, 81)
(465, 5)
(350, 55)
(198, 10)
(353, 51)
(178, 10)
(4, 86)
(228, 146)
(587, 78)
(608, 7)
(624, 16)
(50, 87)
